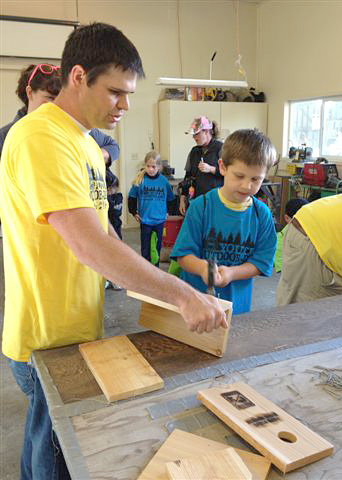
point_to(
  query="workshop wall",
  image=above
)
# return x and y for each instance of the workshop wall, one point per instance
(205, 26)
(298, 54)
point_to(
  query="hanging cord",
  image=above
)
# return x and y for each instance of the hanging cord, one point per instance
(77, 13)
(179, 42)
(238, 63)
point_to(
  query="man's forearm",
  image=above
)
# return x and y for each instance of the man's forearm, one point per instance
(112, 258)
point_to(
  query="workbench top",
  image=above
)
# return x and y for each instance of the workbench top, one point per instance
(270, 350)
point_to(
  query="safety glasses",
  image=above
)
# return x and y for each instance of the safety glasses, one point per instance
(43, 68)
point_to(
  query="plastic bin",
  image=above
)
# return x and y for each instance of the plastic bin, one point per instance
(171, 228)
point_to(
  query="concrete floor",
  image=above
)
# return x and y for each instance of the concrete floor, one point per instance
(121, 315)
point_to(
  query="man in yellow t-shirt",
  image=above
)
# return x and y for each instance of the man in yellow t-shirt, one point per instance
(312, 253)
(58, 245)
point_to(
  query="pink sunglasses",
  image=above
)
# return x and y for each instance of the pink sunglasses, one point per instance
(44, 68)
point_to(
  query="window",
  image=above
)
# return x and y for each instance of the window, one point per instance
(317, 124)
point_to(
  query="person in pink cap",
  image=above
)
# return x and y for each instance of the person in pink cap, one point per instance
(202, 170)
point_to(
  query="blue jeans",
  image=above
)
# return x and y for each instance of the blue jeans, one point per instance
(41, 456)
(145, 236)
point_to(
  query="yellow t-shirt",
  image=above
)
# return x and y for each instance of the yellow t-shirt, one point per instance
(47, 165)
(322, 222)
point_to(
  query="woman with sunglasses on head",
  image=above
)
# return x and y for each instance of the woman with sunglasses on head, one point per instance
(37, 84)
(40, 84)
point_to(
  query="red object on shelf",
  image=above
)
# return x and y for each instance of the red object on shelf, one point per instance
(171, 228)
(317, 174)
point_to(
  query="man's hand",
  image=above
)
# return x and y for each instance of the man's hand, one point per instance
(182, 205)
(137, 217)
(203, 313)
(206, 168)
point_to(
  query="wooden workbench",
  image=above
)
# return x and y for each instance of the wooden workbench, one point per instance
(269, 350)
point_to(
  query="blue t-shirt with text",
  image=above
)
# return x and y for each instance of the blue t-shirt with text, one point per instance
(229, 237)
(153, 193)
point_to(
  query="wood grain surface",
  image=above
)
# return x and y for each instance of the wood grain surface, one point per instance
(119, 368)
(286, 442)
(222, 465)
(166, 319)
(254, 333)
(118, 441)
(182, 444)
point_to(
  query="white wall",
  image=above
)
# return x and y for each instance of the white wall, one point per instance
(299, 54)
(205, 26)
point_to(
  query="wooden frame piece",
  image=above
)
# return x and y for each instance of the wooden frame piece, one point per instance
(182, 444)
(221, 465)
(119, 368)
(166, 319)
(285, 441)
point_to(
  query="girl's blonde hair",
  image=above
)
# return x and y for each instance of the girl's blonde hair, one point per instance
(152, 155)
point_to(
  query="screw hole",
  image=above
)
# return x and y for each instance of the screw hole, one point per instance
(287, 437)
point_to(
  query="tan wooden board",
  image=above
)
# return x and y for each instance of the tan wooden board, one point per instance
(286, 442)
(166, 319)
(119, 368)
(181, 445)
(221, 465)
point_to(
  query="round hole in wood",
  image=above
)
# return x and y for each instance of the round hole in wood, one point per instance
(287, 437)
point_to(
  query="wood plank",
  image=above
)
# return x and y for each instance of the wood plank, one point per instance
(225, 304)
(222, 465)
(181, 445)
(166, 319)
(285, 441)
(119, 368)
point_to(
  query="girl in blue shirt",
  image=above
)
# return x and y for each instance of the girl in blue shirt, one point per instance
(147, 202)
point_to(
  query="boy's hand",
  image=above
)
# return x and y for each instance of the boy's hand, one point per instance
(137, 217)
(204, 274)
(222, 275)
(203, 313)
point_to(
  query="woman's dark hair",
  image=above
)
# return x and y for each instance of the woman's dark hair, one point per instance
(50, 83)
(214, 131)
(97, 47)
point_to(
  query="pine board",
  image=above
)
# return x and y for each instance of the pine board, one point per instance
(221, 465)
(119, 368)
(287, 443)
(166, 319)
(180, 445)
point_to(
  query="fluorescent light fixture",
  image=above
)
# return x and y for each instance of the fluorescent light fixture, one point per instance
(198, 82)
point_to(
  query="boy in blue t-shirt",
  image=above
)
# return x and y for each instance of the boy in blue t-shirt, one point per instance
(229, 225)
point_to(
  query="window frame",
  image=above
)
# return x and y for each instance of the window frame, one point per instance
(287, 117)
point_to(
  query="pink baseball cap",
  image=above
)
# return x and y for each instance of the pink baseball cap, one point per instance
(200, 123)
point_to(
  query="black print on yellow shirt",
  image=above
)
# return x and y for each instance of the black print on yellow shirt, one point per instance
(97, 188)
(227, 251)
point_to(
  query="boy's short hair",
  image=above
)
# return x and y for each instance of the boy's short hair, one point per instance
(49, 83)
(293, 205)
(249, 146)
(97, 47)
